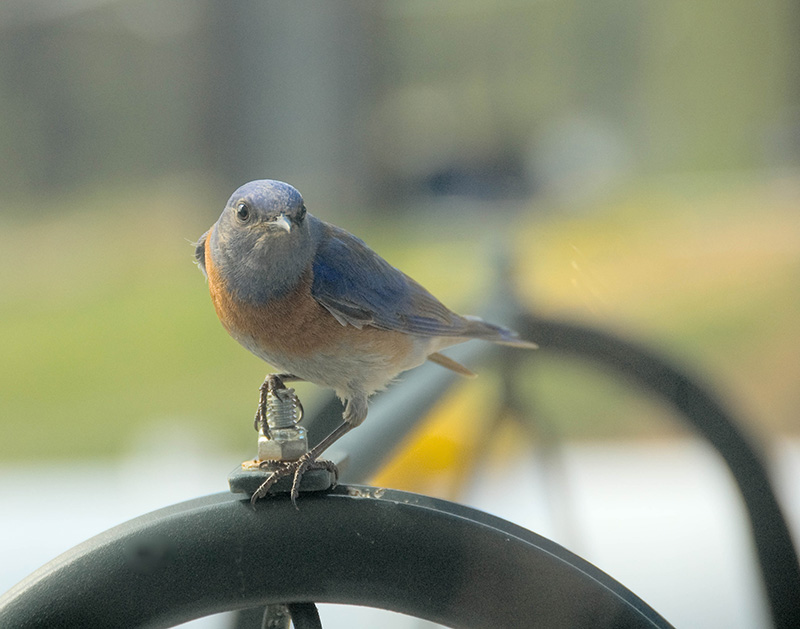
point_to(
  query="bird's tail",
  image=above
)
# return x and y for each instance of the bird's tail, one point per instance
(477, 328)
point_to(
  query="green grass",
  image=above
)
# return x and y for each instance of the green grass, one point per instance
(106, 327)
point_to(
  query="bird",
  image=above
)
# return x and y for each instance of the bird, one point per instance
(315, 302)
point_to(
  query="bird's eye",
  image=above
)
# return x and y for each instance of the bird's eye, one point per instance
(301, 214)
(242, 212)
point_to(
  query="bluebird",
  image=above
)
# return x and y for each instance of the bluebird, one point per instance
(317, 303)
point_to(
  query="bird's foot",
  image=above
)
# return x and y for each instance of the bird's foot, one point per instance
(282, 469)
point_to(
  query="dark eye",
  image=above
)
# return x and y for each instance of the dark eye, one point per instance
(242, 212)
(301, 214)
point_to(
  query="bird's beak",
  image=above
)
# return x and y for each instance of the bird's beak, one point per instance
(283, 223)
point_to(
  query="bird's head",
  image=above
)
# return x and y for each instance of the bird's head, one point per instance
(263, 210)
(263, 230)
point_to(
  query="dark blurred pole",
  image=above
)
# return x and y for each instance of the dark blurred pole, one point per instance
(33, 68)
(287, 90)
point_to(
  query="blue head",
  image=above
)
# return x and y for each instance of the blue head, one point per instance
(262, 241)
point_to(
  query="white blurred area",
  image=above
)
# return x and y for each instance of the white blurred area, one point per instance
(663, 518)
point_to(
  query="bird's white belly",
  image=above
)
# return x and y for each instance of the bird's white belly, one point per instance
(346, 370)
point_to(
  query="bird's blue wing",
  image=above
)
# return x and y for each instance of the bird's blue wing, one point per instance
(360, 288)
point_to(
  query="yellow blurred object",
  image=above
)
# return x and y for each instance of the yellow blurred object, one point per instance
(438, 456)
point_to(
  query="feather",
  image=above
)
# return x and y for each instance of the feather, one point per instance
(449, 363)
(360, 288)
(200, 253)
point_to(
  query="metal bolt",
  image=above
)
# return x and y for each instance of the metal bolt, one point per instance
(283, 439)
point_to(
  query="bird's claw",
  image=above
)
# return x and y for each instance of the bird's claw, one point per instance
(296, 469)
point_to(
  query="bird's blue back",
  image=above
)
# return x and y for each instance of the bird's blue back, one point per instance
(360, 288)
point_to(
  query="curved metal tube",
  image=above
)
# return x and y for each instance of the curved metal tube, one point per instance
(382, 548)
(777, 557)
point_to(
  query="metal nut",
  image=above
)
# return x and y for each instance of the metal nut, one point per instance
(283, 444)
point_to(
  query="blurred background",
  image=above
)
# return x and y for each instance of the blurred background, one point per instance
(638, 163)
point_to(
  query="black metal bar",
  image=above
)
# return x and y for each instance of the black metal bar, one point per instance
(357, 545)
(777, 556)
(305, 616)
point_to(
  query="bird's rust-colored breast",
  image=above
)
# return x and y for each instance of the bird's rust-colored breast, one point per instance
(296, 324)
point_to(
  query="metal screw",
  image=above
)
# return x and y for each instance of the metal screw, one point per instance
(282, 439)
(283, 408)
